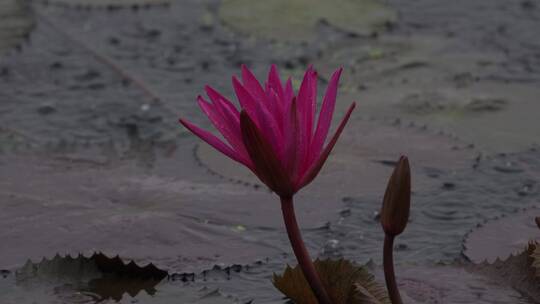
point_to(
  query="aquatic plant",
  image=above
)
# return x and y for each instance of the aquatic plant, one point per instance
(345, 281)
(275, 136)
(394, 218)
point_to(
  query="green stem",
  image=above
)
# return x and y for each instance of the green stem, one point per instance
(301, 253)
(389, 275)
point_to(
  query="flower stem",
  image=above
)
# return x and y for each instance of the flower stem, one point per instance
(389, 275)
(301, 253)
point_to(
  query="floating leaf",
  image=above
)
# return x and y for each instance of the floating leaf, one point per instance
(109, 3)
(500, 238)
(297, 20)
(16, 22)
(345, 282)
(519, 271)
(364, 147)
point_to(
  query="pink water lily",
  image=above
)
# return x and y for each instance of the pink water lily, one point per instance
(275, 136)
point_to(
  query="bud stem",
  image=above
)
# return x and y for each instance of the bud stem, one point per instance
(389, 275)
(300, 251)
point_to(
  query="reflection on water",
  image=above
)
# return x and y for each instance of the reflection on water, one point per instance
(114, 287)
(98, 277)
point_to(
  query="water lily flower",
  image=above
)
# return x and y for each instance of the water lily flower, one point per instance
(394, 218)
(274, 134)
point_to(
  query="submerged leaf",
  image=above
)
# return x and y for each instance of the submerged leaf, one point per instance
(345, 282)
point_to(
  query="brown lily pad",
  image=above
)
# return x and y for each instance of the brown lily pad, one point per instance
(345, 282)
(502, 237)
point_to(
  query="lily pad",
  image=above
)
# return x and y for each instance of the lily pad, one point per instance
(519, 271)
(362, 159)
(109, 3)
(451, 284)
(433, 80)
(297, 20)
(16, 23)
(148, 217)
(345, 282)
(500, 238)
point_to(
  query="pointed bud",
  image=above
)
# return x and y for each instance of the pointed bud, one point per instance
(397, 199)
(537, 220)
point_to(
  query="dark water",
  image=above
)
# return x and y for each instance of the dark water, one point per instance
(93, 159)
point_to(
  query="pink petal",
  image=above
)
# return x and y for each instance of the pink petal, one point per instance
(260, 115)
(277, 109)
(289, 153)
(224, 125)
(253, 85)
(317, 165)
(289, 93)
(266, 164)
(215, 142)
(325, 115)
(306, 105)
(217, 98)
(274, 81)
(247, 102)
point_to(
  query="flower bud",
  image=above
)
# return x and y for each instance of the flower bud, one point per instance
(397, 199)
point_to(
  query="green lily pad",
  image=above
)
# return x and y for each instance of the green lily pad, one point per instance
(297, 20)
(110, 3)
(16, 22)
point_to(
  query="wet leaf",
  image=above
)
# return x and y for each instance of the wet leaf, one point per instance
(346, 283)
(364, 146)
(297, 20)
(519, 271)
(501, 237)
